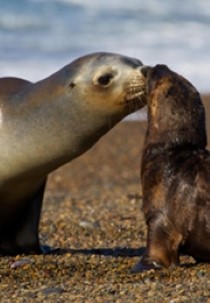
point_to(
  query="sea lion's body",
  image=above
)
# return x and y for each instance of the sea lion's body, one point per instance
(175, 172)
(43, 125)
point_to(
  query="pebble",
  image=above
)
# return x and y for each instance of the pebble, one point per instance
(20, 263)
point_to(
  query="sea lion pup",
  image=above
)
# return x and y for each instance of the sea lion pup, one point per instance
(48, 123)
(175, 172)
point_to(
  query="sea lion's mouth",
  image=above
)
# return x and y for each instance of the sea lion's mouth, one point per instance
(136, 91)
(136, 95)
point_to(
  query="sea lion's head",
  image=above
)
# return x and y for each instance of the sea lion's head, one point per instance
(175, 111)
(107, 83)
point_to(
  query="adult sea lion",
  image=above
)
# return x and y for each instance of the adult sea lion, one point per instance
(45, 124)
(175, 172)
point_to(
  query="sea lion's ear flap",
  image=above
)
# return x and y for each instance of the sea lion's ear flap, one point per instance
(72, 84)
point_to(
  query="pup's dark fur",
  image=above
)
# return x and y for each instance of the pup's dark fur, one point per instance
(175, 172)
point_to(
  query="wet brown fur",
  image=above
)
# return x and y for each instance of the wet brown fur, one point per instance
(175, 172)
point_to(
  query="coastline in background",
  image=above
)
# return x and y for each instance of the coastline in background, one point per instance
(38, 37)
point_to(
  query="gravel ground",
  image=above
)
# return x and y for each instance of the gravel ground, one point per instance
(92, 214)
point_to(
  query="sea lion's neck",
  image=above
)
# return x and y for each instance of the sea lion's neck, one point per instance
(51, 132)
(176, 137)
(172, 141)
(154, 150)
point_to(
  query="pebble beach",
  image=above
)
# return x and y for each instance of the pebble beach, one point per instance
(92, 215)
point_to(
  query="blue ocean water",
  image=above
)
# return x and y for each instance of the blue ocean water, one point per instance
(38, 37)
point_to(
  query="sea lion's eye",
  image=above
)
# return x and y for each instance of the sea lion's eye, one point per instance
(105, 79)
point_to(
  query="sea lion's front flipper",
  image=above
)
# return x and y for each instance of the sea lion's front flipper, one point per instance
(163, 242)
(21, 236)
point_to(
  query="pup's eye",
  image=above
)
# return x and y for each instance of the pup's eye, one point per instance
(105, 79)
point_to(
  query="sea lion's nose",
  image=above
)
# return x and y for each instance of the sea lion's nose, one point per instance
(137, 62)
(133, 62)
(144, 70)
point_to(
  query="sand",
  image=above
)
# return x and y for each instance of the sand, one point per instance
(92, 214)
